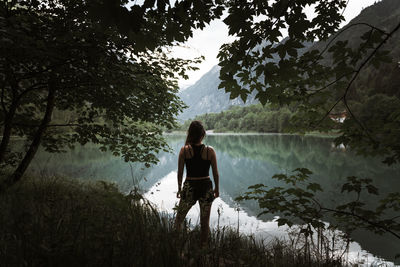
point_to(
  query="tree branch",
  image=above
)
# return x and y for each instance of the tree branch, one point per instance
(375, 224)
(57, 65)
(395, 217)
(356, 72)
(16, 176)
(342, 31)
(370, 56)
(331, 83)
(29, 89)
(11, 79)
(3, 105)
(49, 125)
(344, 9)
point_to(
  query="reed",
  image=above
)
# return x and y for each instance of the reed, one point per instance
(56, 221)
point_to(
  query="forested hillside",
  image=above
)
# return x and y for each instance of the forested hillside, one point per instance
(371, 81)
(254, 118)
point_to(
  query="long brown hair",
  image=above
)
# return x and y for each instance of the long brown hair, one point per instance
(195, 133)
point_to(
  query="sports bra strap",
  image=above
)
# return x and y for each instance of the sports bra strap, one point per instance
(189, 150)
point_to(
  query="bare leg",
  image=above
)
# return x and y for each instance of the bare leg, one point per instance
(183, 209)
(205, 210)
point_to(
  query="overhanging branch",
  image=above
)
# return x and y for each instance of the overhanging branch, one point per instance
(356, 73)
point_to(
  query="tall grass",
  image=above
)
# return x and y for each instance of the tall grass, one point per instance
(63, 222)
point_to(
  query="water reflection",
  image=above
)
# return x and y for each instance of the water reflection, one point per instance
(243, 160)
(246, 160)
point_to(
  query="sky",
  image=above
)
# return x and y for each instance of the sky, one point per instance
(206, 42)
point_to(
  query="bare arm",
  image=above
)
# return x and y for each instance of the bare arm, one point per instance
(213, 158)
(181, 164)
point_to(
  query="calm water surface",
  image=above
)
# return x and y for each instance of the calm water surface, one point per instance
(243, 160)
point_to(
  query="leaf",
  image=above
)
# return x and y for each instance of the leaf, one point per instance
(281, 51)
(256, 186)
(282, 221)
(149, 3)
(292, 52)
(372, 189)
(314, 187)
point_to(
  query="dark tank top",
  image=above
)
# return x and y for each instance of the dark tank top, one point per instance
(196, 166)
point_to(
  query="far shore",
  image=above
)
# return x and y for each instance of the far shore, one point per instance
(211, 132)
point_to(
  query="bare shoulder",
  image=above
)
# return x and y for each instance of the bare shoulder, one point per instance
(186, 151)
(210, 149)
(182, 150)
(211, 152)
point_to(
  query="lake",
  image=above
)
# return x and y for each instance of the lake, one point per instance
(243, 160)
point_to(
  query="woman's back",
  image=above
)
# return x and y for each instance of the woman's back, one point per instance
(197, 160)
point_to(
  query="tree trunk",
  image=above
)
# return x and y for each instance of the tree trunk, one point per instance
(16, 176)
(7, 130)
(10, 113)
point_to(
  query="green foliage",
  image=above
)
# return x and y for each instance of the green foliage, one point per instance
(300, 201)
(149, 23)
(254, 118)
(75, 72)
(330, 77)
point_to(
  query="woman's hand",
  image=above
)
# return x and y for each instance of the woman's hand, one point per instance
(216, 192)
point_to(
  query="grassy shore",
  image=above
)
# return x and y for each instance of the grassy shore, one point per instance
(64, 222)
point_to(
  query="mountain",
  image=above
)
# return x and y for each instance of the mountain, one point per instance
(205, 97)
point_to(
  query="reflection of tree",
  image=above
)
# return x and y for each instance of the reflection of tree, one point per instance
(288, 152)
(253, 159)
(88, 163)
(243, 160)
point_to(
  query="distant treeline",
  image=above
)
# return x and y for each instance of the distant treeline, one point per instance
(254, 118)
(367, 105)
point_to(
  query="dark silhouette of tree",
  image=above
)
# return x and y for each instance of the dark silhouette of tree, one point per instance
(103, 63)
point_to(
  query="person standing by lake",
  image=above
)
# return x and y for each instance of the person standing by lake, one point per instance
(197, 158)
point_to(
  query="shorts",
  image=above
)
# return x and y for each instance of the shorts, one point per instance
(197, 190)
